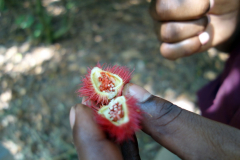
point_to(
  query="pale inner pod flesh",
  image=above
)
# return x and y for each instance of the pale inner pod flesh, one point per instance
(105, 83)
(116, 111)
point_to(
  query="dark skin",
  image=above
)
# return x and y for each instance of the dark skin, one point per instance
(90, 141)
(178, 24)
(184, 133)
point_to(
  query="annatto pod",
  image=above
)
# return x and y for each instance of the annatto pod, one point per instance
(120, 118)
(102, 84)
(118, 115)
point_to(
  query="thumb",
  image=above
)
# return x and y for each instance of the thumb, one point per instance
(158, 113)
(129, 148)
(90, 141)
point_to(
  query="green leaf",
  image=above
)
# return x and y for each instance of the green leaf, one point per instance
(19, 20)
(59, 33)
(37, 33)
(70, 5)
(25, 21)
(38, 29)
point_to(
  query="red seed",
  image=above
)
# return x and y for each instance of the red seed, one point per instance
(106, 83)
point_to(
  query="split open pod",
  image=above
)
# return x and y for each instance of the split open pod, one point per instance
(118, 115)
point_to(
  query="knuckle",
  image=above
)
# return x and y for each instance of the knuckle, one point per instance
(168, 32)
(168, 116)
(162, 11)
(200, 8)
(163, 113)
(167, 108)
(177, 8)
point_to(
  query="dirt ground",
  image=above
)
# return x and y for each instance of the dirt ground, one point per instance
(38, 82)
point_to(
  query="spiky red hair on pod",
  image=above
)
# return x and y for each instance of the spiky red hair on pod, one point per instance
(102, 88)
(120, 118)
(103, 83)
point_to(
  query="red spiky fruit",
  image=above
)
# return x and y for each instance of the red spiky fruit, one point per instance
(120, 118)
(102, 84)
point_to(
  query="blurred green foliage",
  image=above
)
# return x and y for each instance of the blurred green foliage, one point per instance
(2, 5)
(37, 21)
(25, 21)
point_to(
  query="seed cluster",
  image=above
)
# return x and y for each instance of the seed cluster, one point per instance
(107, 84)
(116, 112)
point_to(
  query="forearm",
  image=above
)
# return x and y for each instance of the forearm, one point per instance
(189, 135)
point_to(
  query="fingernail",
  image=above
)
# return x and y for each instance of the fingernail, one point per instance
(84, 101)
(137, 92)
(204, 38)
(88, 102)
(72, 117)
(211, 4)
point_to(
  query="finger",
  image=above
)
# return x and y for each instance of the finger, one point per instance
(184, 48)
(217, 32)
(172, 32)
(89, 140)
(158, 112)
(222, 29)
(184, 133)
(130, 150)
(170, 10)
(212, 36)
(222, 6)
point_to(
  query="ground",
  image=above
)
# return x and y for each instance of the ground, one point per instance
(38, 82)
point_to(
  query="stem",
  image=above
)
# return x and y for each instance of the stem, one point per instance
(43, 19)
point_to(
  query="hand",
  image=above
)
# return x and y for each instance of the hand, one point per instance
(89, 139)
(186, 27)
(186, 134)
(92, 143)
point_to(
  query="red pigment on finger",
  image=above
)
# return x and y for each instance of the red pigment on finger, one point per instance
(116, 112)
(107, 84)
